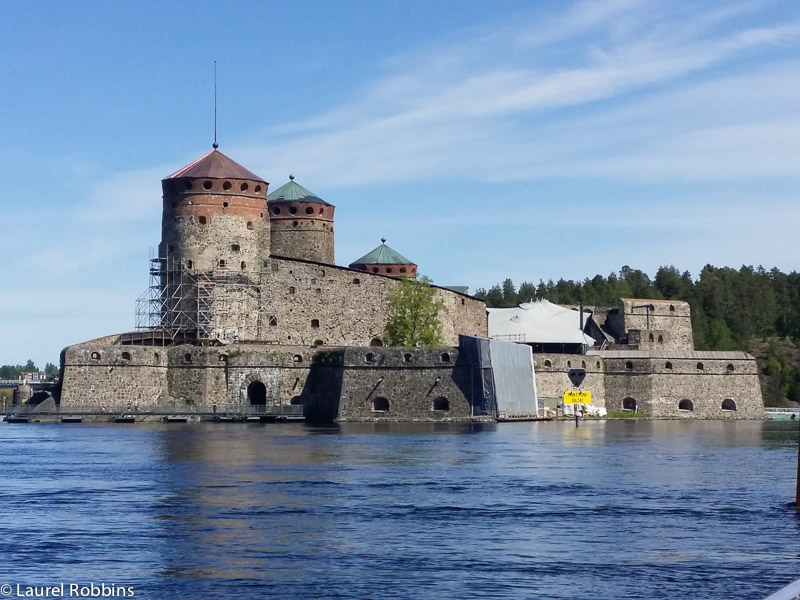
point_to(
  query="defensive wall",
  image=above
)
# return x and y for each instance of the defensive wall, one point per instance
(660, 384)
(652, 324)
(318, 304)
(348, 384)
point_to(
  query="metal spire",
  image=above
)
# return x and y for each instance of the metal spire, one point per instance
(215, 145)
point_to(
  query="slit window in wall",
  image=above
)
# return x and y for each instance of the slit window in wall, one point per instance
(298, 358)
(380, 404)
(126, 356)
(548, 363)
(95, 356)
(652, 338)
(249, 224)
(235, 247)
(189, 264)
(685, 405)
(671, 308)
(660, 339)
(629, 366)
(441, 404)
(321, 210)
(369, 357)
(187, 358)
(201, 219)
(446, 357)
(629, 404)
(292, 289)
(273, 321)
(156, 356)
(407, 357)
(376, 342)
(243, 266)
(728, 404)
(583, 364)
(315, 323)
(569, 364)
(729, 368)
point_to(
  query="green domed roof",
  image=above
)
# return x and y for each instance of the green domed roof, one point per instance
(294, 192)
(382, 255)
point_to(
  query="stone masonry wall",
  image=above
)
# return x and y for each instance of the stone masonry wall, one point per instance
(552, 381)
(670, 319)
(312, 303)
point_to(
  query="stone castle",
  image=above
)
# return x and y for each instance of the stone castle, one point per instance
(247, 310)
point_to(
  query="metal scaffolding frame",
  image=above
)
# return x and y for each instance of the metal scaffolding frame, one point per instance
(182, 304)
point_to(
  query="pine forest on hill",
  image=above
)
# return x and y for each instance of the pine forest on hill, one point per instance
(751, 309)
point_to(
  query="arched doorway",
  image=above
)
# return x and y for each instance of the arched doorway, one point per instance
(629, 404)
(257, 393)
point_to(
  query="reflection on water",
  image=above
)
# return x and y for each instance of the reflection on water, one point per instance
(620, 509)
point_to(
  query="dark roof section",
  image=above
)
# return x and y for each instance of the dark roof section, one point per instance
(382, 255)
(215, 165)
(294, 192)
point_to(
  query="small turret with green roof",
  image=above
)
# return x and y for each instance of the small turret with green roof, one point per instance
(385, 261)
(301, 223)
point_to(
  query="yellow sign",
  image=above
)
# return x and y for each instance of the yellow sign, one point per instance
(577, 397)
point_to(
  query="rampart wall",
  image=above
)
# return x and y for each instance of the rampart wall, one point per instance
(653, 324)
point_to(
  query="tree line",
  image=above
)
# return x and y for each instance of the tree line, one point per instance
(16, 371)
(731, 309)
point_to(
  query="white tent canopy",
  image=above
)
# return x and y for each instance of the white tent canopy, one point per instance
(540, 322)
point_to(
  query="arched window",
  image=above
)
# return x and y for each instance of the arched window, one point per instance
(668, 366)
(548, 363)
(187, 358)
(629, 404)
(441, 403)
(95, 356)
(126, 356)
(583, 364)
(369, 357)
(660, 339)
(699, 366)
(652, 338)
(629, 366)
(315, 323)
(376, 342)
(671, 308)
(729, 368)
(318, 343)
(446, 357)
(298, 358)
(685, 405)
(380, 404)
(728, 404)
(249, 224)
(273, 321)
(407, 357)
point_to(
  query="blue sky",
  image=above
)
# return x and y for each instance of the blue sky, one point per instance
(484, 140)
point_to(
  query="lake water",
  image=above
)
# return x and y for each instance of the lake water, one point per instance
(610, 510)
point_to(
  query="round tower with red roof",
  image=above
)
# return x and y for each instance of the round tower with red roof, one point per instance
(215, 216)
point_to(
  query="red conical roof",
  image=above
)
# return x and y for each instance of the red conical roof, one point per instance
(215, 165)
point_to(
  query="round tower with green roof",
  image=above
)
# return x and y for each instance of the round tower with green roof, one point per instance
(385, 261)
(301, 224)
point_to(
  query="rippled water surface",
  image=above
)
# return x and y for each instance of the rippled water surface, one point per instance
(525, 510)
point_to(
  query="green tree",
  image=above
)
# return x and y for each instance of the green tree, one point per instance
(414, 308)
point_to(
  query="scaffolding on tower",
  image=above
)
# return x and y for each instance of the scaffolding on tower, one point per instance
(182, 304)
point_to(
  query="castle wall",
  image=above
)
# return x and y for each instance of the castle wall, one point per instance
(552, 381)
(313, 302)
(659, 382)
